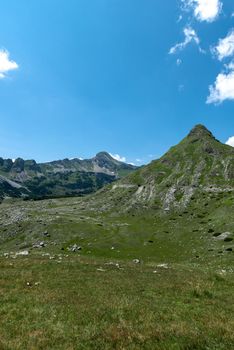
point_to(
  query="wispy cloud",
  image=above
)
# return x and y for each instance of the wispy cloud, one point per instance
(118, 157)
(230, 65)
(179, 19)
(178, 62)
(203, 10)
(230, 141)
(6, 64)
(225, 46)
(190, 36)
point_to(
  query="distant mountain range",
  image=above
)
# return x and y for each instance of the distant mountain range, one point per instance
(67, 177)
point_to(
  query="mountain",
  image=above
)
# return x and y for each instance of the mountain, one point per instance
(103, 163)
(199, 167)
(59, 178)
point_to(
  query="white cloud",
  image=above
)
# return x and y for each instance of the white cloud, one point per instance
(225, 47)
(204, 10)
(118, 157)
(190, 36)
(223, 88)
(230, 141)
(179, 19)
(230, 66)
(6, 64)
(178, 62)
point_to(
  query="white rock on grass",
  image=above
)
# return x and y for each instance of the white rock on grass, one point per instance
(74, 248)
(164, 266)
(45, 254)
(223, 236)
(100, 269)
(136, 261)
(22, 253)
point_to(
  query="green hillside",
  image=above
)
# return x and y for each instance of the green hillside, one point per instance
(196, 170)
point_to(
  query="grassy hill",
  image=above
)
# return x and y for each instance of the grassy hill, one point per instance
(196, 170)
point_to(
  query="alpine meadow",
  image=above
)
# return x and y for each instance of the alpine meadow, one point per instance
(113, 251)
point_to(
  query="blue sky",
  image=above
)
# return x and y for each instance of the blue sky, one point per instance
(131, 77)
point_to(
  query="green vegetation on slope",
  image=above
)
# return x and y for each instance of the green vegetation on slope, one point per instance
(198, 166)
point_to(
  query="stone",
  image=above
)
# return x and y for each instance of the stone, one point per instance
(222, 236)
(74, 248)
(164, 266)
(22, 253)
(136, 261)
(39, 245)
(46, 234)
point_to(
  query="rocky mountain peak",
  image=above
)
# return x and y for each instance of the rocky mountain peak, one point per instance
(200, 132)
(103, 155)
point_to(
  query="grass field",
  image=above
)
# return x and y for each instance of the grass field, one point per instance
(179, 295)
(80, 303)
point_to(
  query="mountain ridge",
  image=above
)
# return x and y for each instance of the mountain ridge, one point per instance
(65, 177)
(197, 165)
